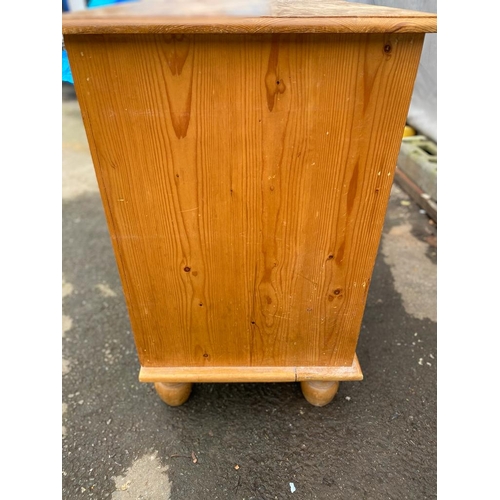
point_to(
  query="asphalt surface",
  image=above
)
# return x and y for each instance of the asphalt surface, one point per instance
(376, 440)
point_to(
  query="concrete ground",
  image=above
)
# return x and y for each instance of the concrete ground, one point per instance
(376, 440)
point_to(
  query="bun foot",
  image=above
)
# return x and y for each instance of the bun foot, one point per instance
(319, 393)
(173, 394)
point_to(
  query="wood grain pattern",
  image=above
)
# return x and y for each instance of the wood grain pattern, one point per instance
(239, 8)
(258, 16)
(245, 181)
(252, 25)
(249, 374)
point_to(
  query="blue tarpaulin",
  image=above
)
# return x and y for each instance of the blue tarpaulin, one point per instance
(66, 70)
(101, 3)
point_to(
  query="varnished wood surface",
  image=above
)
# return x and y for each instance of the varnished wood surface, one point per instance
(319, 393)
(236, 16)
(246, 374)
(245, 181)
(173, 394)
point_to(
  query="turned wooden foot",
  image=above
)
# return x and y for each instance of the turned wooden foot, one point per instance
(319, 393)
(173, 394)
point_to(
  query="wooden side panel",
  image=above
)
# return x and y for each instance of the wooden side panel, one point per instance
(245, 181)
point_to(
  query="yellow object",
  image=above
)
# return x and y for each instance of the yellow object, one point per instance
(408, 131)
